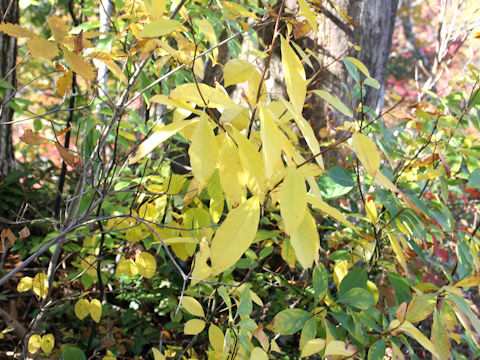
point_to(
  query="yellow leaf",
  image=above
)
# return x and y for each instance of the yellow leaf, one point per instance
(293, 200)
(157, 9)
(235, 235)
(252, 162)
(237, 71)
(233, 177)
(127, 267)
(201, 270)
(340, 271)
(258, 354)
(207, 29)
(339, 348)
(58, 28)
(295, 79)
(330, 210)
(25, 284)
(64, 83)
(373, 290)
(47, 343)
(115, 69)
(89, 263)
(146, 264)
(371, 210)
(194, 327)
(307, 133)
(95, 310)
(271, 147)
(309, 14)
(367, 153)
(397, 353)
(34, 343)
(313, 347)
(135, 233)
(42, 48)
(427, 175)
(217, 200)
(192, 306)
(40, 285)
(421, 307)
(216, 337)
(203, 96)
(16, 31)
(335, 102)
(79, 65)
(159, 27)
(382, 180)
(305, 241)
(414, 333)
(82, 308)
(203, 151)
(192, 191)
(110, 356)
(473, 280)
(179, 104)
(160, 133)
(359, 65)
(157, 354)
(397, 249)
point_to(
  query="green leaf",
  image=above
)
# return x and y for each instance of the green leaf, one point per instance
(341, 176)
(289, 321)
(329, 189)
(320, 281)
(474, 179)
(352, 70)
(377, 350)
(356, 278)
(356, 297)
(73, 353)
(335, 102)
(401, 287)
(309, 332)
(248, 324)
(245, 307)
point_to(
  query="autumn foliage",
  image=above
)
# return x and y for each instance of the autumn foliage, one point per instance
(203, 220)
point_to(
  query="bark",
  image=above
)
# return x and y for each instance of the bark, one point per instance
(8, 48)
(374, 20)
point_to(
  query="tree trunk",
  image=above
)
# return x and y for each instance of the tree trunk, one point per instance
(8, 56)
(374, 20)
